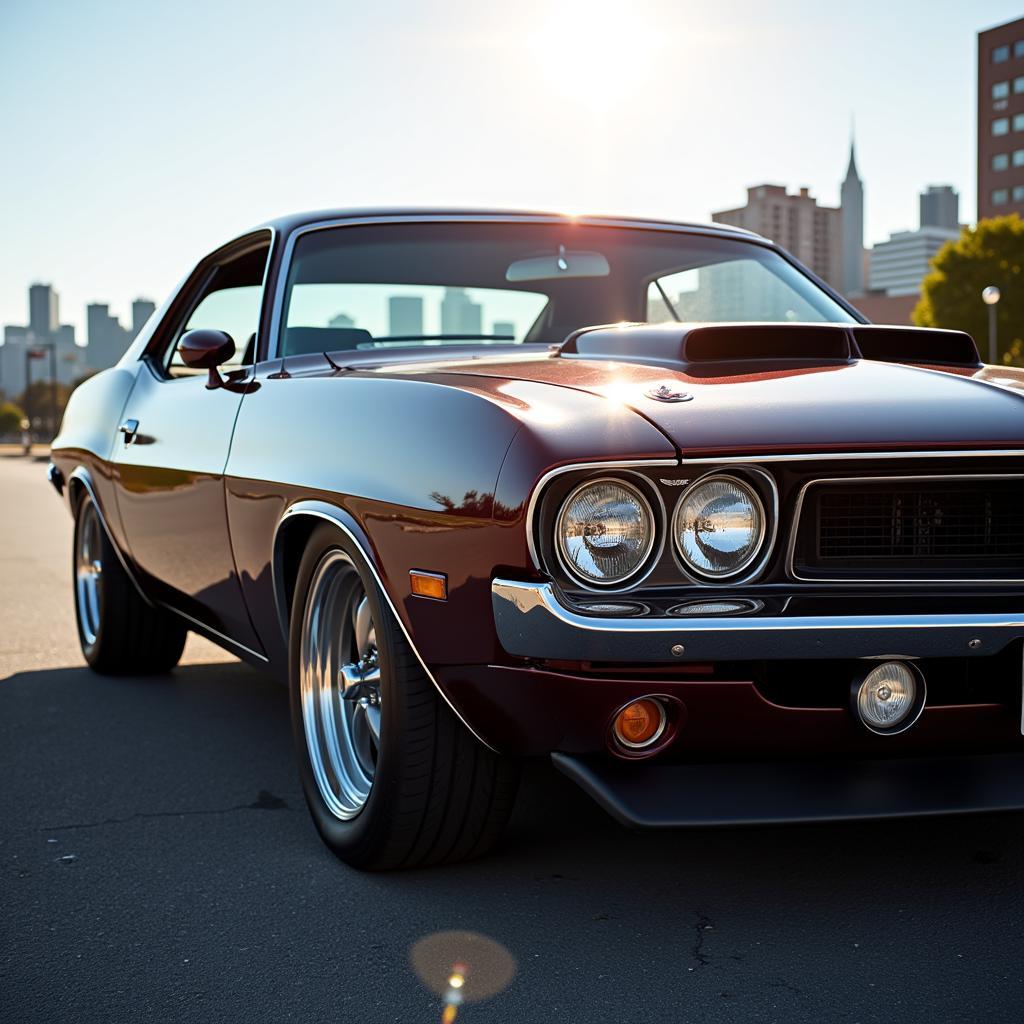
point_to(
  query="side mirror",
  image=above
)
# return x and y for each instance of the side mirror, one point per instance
(204, 349)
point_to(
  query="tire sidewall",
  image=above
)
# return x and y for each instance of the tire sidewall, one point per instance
(352, 839)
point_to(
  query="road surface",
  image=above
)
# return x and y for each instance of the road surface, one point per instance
(158, 864)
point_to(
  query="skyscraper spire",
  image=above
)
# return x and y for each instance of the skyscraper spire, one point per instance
(851, 205)
(851, 169)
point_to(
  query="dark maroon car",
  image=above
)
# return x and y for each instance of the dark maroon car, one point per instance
(735, 556)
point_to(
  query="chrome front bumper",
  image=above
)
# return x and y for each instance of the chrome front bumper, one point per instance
(532, 623)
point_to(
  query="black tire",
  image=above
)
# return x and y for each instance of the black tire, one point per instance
(122, 634)
(438, 795)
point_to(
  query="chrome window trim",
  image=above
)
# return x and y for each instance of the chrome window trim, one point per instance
(703, 230)
(840, 456)
(272, 246)
(650, 558)
(746, 573)
(942, 477)
(323, 510)
(573, 467)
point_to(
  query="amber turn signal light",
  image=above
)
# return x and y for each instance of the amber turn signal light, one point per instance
(429, 584)
(640, 723)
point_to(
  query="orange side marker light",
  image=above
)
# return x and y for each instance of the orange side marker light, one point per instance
(429, 584)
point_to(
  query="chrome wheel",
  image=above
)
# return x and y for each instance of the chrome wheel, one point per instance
(89, 574)
(339, 680)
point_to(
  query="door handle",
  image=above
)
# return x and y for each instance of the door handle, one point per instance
(129, 428)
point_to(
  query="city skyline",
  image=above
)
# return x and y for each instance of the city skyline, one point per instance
(123, 210)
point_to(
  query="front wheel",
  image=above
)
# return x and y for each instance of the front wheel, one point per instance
(391, 776)
(119, 633)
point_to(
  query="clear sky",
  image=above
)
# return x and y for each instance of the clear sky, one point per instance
(136, 136)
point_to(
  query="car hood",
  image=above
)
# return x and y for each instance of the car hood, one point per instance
(860, 405)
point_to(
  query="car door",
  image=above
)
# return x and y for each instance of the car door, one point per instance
(168, 465)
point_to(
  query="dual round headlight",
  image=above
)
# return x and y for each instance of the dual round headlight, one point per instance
(605, 532)
(606, 529)
(719, 526)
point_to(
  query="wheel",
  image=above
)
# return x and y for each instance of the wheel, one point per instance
(120, 634)
(391, 776)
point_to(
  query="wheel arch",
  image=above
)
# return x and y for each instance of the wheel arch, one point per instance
(80, 485)
(290, 539)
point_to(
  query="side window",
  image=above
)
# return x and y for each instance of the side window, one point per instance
(229, 302)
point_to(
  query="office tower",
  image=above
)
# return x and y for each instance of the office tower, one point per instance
(405, 316)
(797, 222)
(1001, 120)
(459, 314)
(851, 205)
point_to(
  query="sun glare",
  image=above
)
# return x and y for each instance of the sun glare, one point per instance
(595, 54)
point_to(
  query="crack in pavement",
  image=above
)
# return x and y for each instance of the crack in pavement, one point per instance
(702, 925)
(265, 801)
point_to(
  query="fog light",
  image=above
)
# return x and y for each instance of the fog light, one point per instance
(640, 723)
(890, 698)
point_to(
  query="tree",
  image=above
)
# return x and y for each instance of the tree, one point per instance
(992, 252)
(11, 416)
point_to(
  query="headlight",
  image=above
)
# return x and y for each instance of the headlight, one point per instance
(605, 531)
(719, 526)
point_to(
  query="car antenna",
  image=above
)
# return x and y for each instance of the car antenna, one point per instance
(334, 365)
(281, 374)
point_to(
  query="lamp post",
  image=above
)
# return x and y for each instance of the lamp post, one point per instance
(990, 296)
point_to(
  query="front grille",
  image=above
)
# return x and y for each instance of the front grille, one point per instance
(971, 528)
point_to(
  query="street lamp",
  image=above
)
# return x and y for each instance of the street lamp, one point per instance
(990, 296)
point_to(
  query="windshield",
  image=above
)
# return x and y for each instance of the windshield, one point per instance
(402, 284)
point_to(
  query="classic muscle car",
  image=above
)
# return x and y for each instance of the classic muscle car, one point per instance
(734, 556)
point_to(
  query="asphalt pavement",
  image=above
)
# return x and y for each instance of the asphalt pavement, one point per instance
(157, 864)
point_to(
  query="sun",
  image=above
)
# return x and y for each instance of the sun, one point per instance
(597, 54)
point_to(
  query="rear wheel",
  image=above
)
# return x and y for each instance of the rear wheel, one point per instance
(118, 631)
(391, 776)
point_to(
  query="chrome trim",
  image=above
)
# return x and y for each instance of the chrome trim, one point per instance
(657, 535)
(532, 623)
(920, 699)
(798, 512)
(708, 231)
(572, 468)
(839, 456)
(655, 698)
(765, 544)
(81, 474)
(327, 512)
(213, 635)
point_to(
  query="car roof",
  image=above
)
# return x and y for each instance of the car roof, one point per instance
(291, 222)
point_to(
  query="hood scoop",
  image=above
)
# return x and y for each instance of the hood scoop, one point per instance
(733, 347)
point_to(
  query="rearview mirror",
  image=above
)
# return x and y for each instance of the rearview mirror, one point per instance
(564, 263)
(205, 349)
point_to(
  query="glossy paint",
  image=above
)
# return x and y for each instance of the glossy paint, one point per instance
(433, 462)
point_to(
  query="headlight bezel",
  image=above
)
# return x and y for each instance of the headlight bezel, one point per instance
(655, 510)
(760, 552)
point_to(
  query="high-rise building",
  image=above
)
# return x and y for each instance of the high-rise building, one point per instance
(809, 231)
(851, 205)
(504, 329)
(12, 359)
(142, 310)
(107, 338)
(405, 316)
(898, 266)
(1001, 120)
(43, 311)
(460, 314)
(341, 320)
(940, 208)
(43, 331)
